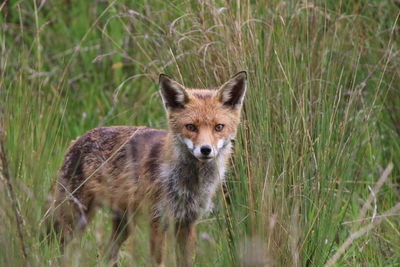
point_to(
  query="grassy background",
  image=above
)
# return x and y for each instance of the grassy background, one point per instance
(321, 119)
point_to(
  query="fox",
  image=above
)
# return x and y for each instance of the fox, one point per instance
(171, 175)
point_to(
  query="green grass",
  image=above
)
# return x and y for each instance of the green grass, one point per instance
(321, 119)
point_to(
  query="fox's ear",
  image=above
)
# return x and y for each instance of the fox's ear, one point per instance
(232, 92)
(173, 94)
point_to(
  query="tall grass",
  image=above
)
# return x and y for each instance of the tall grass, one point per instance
(321, 120)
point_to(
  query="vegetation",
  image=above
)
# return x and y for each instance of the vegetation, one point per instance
(315, 174)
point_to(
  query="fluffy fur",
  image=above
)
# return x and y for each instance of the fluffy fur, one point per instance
(165, 173)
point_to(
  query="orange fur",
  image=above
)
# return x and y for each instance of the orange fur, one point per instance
(172, 175)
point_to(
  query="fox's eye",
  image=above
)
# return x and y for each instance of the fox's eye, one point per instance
(219, 127)
(191, 127)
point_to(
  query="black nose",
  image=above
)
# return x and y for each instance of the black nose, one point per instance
(205, 150)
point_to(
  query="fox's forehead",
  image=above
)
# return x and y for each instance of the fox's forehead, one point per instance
(202, 94)
(204, 108)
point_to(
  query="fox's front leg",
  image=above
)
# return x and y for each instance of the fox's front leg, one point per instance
(157, 240)
(185, 244)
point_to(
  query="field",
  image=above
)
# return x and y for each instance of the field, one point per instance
(314, 179)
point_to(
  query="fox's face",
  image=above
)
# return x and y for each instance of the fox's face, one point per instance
(204, 121)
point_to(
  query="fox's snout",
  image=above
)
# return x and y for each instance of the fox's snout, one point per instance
(204, 151)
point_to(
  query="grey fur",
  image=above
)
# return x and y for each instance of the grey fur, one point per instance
(191, 184)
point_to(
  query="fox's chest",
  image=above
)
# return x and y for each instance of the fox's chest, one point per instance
(189, 191)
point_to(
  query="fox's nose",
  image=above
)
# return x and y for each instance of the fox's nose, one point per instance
(205, 150)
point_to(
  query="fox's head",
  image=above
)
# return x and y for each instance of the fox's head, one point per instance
(204, 121)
